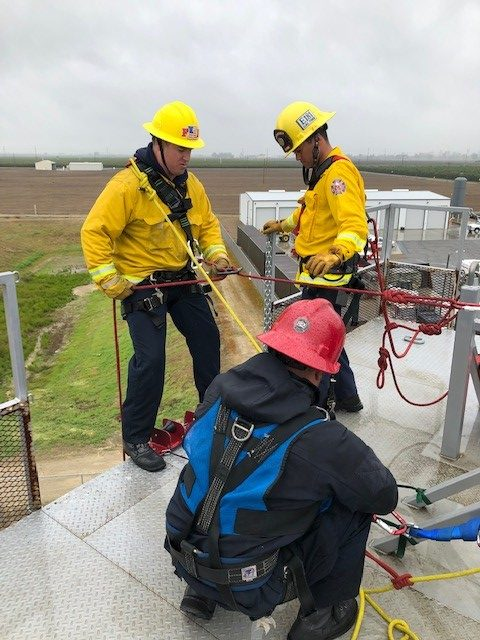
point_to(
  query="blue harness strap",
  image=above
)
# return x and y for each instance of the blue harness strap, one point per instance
(228, 497)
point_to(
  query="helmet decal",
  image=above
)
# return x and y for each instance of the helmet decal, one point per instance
(305, 119)
(191, 132)
(301, 325)
(310, 332)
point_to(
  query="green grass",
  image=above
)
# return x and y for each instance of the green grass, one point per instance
(73, 375)
(448, 169)
(424, 169)
(39, 298)
(76, 398)
(28, 261)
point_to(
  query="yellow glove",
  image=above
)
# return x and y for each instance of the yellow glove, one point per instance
(321, 263)
(219, 265)
(117, 287)
(272, 226)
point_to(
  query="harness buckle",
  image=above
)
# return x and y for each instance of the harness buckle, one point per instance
(195, 249)
(154, 301)
(245, 430)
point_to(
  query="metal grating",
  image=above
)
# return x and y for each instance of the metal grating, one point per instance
(421, 280)
(19, 489)
(415, 279)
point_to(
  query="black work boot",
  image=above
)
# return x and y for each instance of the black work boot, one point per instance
(351, 404)
(326, 623)
(144, 456)
(197, 605)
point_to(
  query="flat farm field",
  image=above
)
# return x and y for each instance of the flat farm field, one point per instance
(25, 191)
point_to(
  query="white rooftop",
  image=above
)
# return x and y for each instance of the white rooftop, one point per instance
(395, 195)
(398, 195)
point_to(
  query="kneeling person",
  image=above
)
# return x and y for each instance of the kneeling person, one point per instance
(276, 499)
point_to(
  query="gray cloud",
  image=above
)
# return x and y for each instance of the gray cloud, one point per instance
(83, 77)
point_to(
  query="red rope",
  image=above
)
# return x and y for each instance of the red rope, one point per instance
(401, 297)
(398, 580)
(117, 360)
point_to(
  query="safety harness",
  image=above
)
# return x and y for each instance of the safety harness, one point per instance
(175, 199)
(244, 460)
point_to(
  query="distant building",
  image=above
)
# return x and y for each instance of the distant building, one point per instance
(256, 207)
(45, 165)
(85, 166)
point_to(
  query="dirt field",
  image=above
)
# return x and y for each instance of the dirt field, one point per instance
(66, 193)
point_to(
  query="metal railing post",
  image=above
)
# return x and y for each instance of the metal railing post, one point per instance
(268, 285)
(8, 280)
(463, 353)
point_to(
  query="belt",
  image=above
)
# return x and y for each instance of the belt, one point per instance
(147, 304)
(234, 574)
(171, 276)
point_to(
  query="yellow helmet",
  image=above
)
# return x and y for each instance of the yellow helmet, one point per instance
(176, 122)
(297, 122)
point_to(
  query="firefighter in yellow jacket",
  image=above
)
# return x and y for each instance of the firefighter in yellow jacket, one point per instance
(127, 241)
(330, 224)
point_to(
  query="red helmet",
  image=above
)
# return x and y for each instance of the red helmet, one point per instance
(310, 332)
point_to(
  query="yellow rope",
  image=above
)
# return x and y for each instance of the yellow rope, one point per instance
(147, 187)
(396, 624)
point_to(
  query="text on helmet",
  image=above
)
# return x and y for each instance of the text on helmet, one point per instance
(305, 119)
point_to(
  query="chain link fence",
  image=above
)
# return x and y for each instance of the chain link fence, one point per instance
(414, 279)
(19, 488)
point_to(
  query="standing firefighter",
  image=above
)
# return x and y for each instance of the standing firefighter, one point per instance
(127, 240)
(276, 499)
(330, 224)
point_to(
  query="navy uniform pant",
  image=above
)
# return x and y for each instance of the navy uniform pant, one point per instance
(332, 552)
(192, 316)
(345, 386)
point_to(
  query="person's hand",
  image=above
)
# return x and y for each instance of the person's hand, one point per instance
(272, 226)
(117, 287)
(321, 263)
(219, 265)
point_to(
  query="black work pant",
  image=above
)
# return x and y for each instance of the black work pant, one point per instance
(192, 316)
(333, 554)
(345, 386)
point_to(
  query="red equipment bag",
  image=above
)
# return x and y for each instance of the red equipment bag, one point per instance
(171, 435)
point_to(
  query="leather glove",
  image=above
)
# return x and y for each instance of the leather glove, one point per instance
(219, 265)
(117, 287)
(322, 263)
(272, 226)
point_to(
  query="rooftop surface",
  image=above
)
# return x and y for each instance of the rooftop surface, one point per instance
(396, 195)
(91, 565)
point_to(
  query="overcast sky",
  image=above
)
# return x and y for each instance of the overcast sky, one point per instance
(83, 75)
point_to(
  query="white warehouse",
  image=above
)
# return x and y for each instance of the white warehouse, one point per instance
(45, 165)
(256, 207)
(85, 166)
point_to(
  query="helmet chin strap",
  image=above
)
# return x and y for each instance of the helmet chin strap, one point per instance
(307, 172)
(170, 175)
